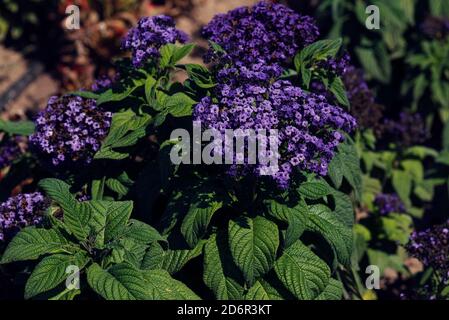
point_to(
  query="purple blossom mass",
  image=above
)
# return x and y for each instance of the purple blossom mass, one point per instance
(388, 203)
(266, 32)
(309, 127)
(21, 211)
(70, 130)
(431, 247)
(408, 130)
(9, 151)
(149, 36)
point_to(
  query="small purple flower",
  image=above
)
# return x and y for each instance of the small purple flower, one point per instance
(149, 36)
(20, 211)
(410, 129)
(65, 132)
(431, 247)
(388, 203)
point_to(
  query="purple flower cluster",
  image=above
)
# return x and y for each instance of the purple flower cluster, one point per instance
(308, 126)
(149, 36)
(435, 27)
(21, 211)
(408, 130)
(388, 203)
(266, 34)
(9, 151)
(70, 130)
(103, 83)
(363, 105)
(431, 247)
(338, 66)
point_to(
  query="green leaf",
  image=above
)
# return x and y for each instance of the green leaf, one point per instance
(220, 273)
(30, 243)
(322, 220)
(50, 272)
(346, 164)
(257, 292)
(175, 260)
(402, 183)
(179, 105)
(75, 220)
(314, 190)
(120, 92)
(333, 291)
(181, 52)
(302, 272)
(200, 75)
(296, 217)
(120, 282)
(338, 89)
(118, 214)
(142, 232)
(162, 286)
(197, 220)
(321, 49)
(253, 244)
(22, 128)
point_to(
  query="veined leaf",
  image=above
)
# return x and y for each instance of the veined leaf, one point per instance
(338, 235)
(162, 286)
(30, 243)
(220, 273)
(120, 282)
(197, 220)
(296, 217)
(314, 190)
(302, 272)
(253, 244)
(75, 219)
(333, 291)
(50, 272)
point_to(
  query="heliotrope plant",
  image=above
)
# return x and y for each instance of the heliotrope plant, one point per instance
(284, 236)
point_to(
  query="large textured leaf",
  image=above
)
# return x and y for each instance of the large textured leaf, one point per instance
(175, 260)
(220, 273)
(50, 272)
(197, 220)
(120, 282)
(257, 292)
(76, 220)
(333, 291)
(118, 214)
(296, 217)
(339, 236)
(314, 190)
(30, 243)
(402, 183)
(142, 232)
(302, 272)
(253, 244)
(162, 286)
(346, 164)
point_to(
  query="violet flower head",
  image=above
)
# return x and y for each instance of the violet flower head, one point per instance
(408, 130)
(21, 211)
(70, 130)
(9, 150)
(388, 203)
(149, 36)
(103, 83)
(364, 108)
(267, 31)
(431, 247)
(435, 27)
(309, 128)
